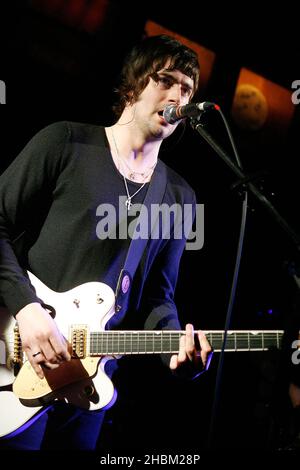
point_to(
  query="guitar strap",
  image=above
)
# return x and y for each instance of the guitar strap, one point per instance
(144, 226)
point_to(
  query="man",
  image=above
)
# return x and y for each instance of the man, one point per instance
(50, 197)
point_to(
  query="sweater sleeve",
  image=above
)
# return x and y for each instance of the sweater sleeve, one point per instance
(26, 188)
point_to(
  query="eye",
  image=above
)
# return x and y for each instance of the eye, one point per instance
(186, 91)
(164, 81)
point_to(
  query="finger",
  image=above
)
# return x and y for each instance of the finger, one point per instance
(38, 360)
(60, 346)
(189, 341)
(204, 343)
(182, 352)
(49, 365)
(34, 362)
(173, 362)
(37, 369)
(49, 353)
(206, 349)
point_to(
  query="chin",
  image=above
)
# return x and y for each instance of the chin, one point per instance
(157, 133)
(160, 134)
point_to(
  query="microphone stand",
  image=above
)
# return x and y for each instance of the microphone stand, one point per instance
(245, 181)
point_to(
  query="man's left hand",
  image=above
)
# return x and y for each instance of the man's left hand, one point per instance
(191, 358)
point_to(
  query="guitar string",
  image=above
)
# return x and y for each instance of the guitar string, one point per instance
(93, 336)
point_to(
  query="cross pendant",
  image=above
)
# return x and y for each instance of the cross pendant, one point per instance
(128, 203)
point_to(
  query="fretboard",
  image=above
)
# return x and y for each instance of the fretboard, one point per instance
(167, 341)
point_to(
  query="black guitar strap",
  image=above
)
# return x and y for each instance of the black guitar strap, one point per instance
(141, 237)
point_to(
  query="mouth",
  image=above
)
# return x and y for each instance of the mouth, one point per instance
(161, 115)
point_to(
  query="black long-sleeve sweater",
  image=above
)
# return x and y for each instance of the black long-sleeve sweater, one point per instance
(49, 197)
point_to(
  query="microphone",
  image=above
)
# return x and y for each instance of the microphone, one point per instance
(173, 113)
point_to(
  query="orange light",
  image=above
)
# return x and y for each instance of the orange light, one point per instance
(258, 103)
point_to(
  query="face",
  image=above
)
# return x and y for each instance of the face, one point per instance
(167, 87)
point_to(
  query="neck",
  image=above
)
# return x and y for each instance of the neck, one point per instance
(132, 146)
(168, 341)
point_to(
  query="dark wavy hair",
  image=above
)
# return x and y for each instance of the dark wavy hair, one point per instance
(145, 59)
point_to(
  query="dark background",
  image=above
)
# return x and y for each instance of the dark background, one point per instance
(56, 70)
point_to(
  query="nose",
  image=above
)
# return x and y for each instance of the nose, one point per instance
(175, 94)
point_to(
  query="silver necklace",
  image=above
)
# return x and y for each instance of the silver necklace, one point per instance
(128, 202)
(132, 174)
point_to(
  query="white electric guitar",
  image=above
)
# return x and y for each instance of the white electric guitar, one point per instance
(81, 315)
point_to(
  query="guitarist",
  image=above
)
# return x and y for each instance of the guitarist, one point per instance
(49, 201)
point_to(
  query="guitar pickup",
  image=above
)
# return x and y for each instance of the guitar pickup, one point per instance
(79, 335)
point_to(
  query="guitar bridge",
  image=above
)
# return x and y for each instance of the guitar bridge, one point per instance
(18, 354)
(79, 335)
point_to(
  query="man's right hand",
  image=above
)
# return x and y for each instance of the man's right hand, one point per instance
(41, 340)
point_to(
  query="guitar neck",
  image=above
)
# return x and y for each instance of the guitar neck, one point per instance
(167, 341)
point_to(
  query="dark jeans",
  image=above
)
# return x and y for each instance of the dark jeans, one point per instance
(63, 427)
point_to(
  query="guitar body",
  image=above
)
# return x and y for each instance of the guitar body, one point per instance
(82, 382)
(81, 315)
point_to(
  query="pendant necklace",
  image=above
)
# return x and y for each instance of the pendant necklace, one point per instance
(128, 202)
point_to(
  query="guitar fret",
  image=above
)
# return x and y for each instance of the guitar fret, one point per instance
(156, 342)
(135, 348)
(134, 342)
